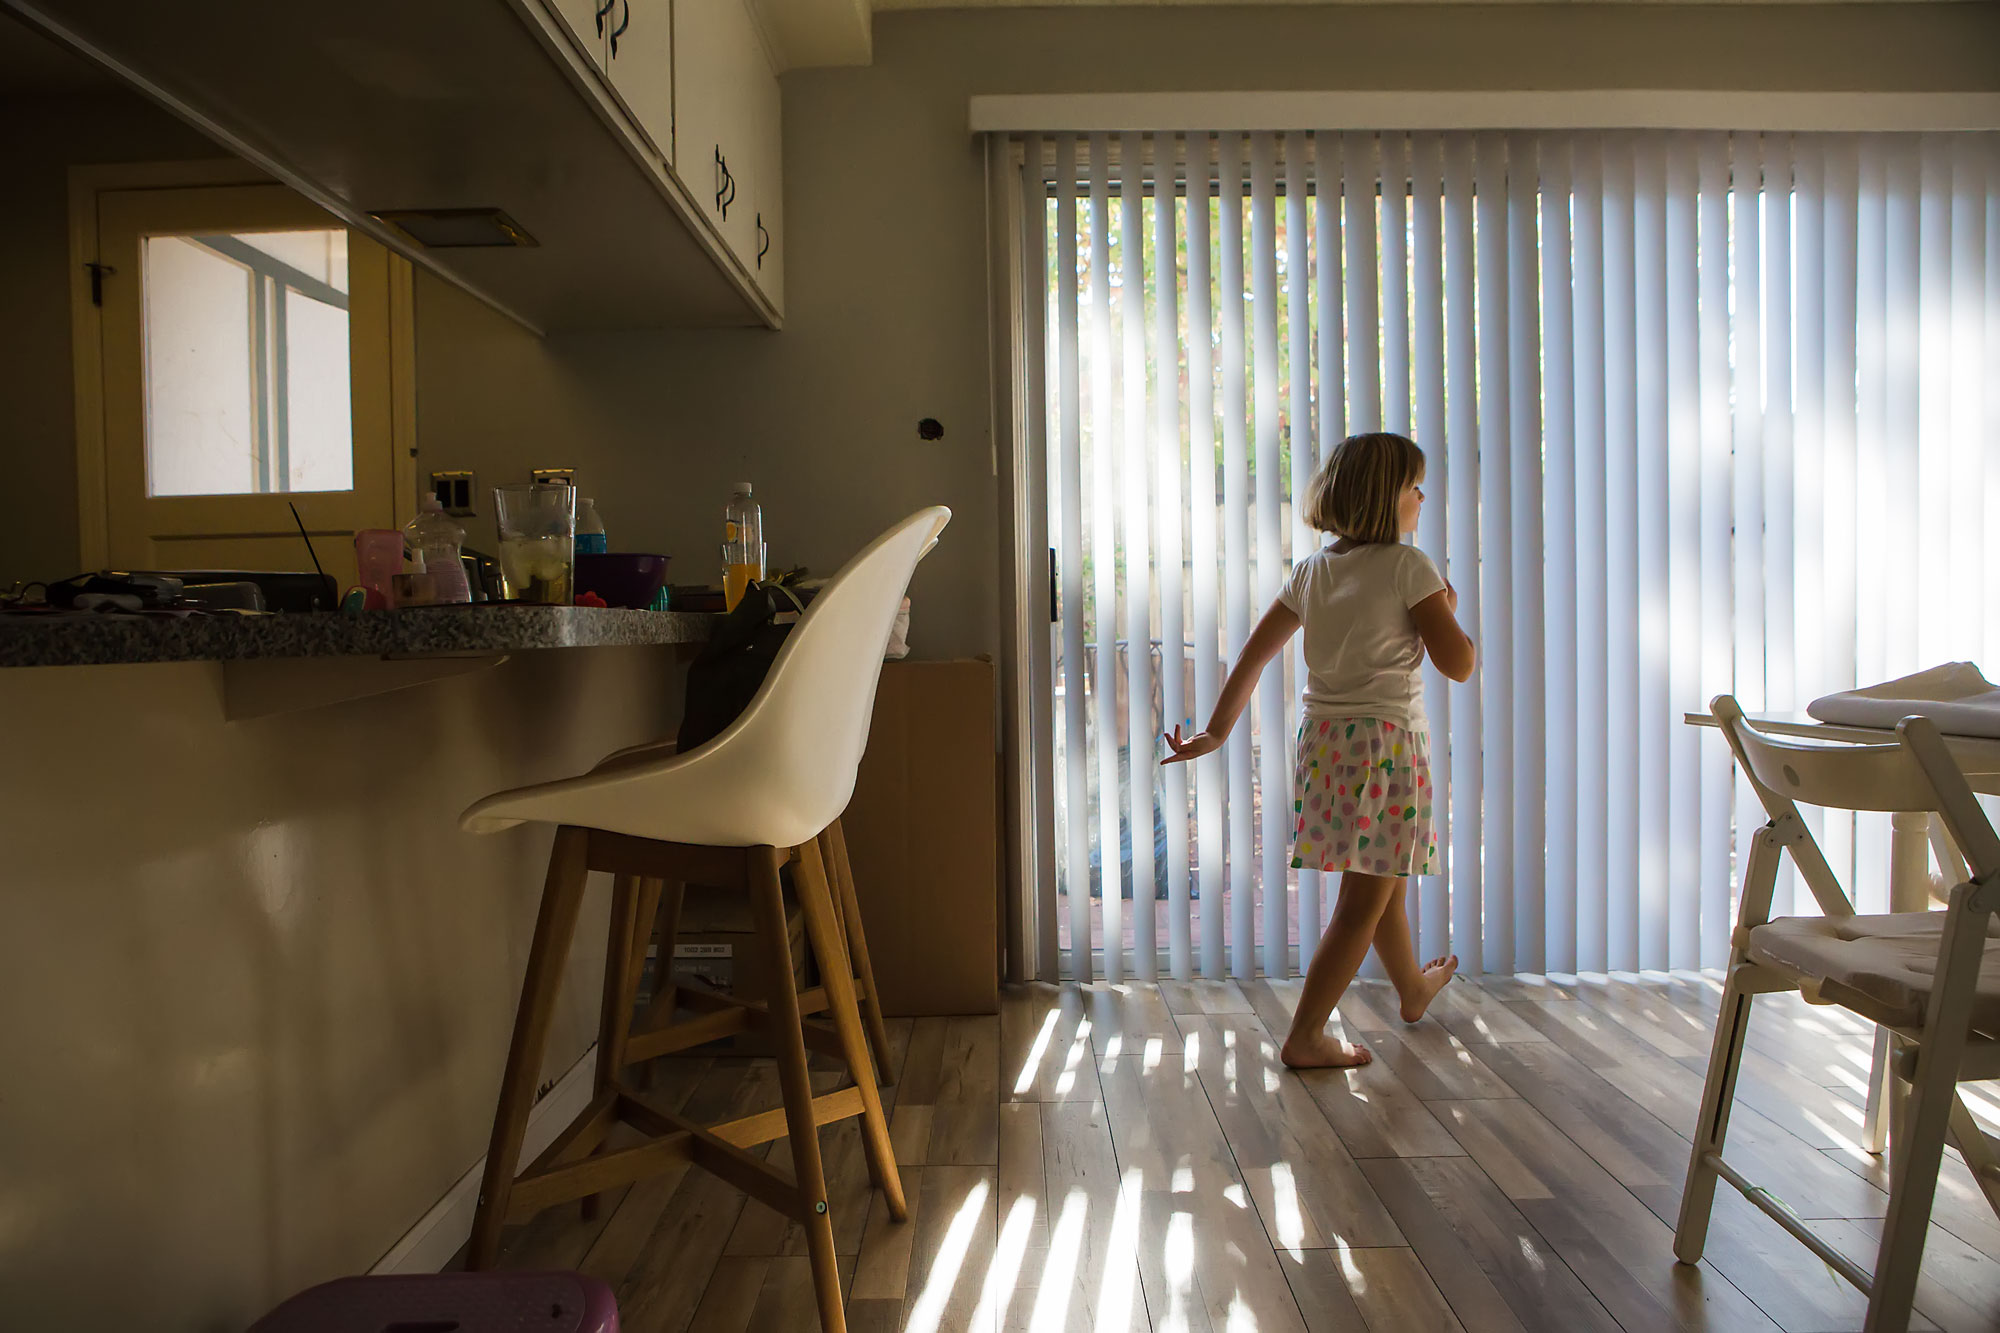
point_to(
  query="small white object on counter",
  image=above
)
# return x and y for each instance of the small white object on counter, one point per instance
(1956, 696)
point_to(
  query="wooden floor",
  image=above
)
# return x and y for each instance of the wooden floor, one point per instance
(1123, 1158)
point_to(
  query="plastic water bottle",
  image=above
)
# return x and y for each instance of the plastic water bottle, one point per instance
(433, 542)
(742, 545)
(590, 535)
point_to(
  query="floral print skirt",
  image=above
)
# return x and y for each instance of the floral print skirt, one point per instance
(1362, 791)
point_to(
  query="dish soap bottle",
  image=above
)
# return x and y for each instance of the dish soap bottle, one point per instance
(433, 541)
(742, 545)
(590, 535)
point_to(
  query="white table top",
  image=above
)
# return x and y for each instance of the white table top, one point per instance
(1979, 756)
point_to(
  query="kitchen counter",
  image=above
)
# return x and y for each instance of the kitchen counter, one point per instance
(419, 632)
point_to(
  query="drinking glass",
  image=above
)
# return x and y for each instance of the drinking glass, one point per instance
(537, 524)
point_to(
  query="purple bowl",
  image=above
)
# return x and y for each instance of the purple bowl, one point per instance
(622, 579)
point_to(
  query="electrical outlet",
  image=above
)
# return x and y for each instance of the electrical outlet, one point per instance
(554, 476)
(454, 490)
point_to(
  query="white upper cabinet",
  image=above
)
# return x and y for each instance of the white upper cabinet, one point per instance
(726, 100)
(621, 155)
(639, 61)
(767, 171)
(588, 23)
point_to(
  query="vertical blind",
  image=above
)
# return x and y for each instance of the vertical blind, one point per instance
(1704, 412)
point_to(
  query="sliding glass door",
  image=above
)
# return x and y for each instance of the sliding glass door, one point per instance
(1704, 412)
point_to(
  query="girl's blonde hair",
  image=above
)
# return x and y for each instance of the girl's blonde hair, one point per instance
(1356, 492)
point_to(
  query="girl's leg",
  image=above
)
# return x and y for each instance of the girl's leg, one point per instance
(1334, 963)
(1416, 987)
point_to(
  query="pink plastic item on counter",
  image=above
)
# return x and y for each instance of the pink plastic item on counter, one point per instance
(378, 556)
(464, 1302)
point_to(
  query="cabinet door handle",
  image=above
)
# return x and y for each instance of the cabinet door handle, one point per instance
(619, 31)
(725, 187)
(603, 12)
(763, 241)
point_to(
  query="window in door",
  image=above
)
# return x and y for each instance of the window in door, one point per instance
(247, 371)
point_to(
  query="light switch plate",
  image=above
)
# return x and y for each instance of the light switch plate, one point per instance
(455, 490)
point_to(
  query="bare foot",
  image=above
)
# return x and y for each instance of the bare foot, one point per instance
(1319, 1051)
(1437, 973)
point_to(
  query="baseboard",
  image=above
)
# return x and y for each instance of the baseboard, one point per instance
(431, 1244)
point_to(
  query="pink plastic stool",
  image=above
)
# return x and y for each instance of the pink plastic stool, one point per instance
(449, 1303)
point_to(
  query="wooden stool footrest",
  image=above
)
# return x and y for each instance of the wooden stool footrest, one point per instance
(721, 1156)
(725, 1016)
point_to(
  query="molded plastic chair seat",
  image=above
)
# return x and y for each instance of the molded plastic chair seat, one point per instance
(784, 770)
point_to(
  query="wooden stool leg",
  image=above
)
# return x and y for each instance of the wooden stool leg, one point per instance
(562, 894)
(767, 897)
(660, 1011)
(614, 1019)
(841, 873)
(822, 927)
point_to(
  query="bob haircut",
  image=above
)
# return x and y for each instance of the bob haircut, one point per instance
(1355, 493)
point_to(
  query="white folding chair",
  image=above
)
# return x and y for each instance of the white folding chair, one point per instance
(1931, 978)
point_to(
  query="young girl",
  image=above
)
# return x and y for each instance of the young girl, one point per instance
(1371, 607)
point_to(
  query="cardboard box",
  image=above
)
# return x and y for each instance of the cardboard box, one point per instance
(718, 946)
(923, 837)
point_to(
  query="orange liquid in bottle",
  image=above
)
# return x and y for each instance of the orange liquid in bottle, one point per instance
(736, 580)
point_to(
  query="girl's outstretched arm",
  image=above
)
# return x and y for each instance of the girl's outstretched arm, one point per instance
(1279, 624)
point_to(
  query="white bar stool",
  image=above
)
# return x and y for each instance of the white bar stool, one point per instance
(764, 794)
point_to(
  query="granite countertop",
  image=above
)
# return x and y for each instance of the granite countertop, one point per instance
(32, 641)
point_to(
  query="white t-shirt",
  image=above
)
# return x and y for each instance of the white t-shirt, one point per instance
(1362, 649)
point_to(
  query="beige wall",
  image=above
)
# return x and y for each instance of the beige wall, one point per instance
(257, 987)
(39, 140)
(886, 299)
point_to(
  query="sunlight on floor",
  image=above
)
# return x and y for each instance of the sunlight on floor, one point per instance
(1290, 1222)
(928, 1311)
(1031, 1066)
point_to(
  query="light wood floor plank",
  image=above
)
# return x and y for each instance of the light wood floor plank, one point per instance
(1958, 1206)
(1474, 1015)
(951, 1251)
(731, 1298)
(1376, 1114)
(882, 1269)
(1494, 1269)
(965, 1128)
(1043, 1041)
(1435, 1065)
(1372, 1290)
(1959, 1290)
(1091, 1279)
(1647, 1153)
(1130, 1020)
(1318, 1281)
(923, 1064)
(1618, 1247)
(1308, 1190)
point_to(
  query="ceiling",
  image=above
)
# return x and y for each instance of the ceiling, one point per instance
(31, 65)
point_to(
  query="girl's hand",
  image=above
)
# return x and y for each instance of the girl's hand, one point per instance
(1190, 747)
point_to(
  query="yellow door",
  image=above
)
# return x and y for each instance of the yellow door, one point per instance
(247, 363)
